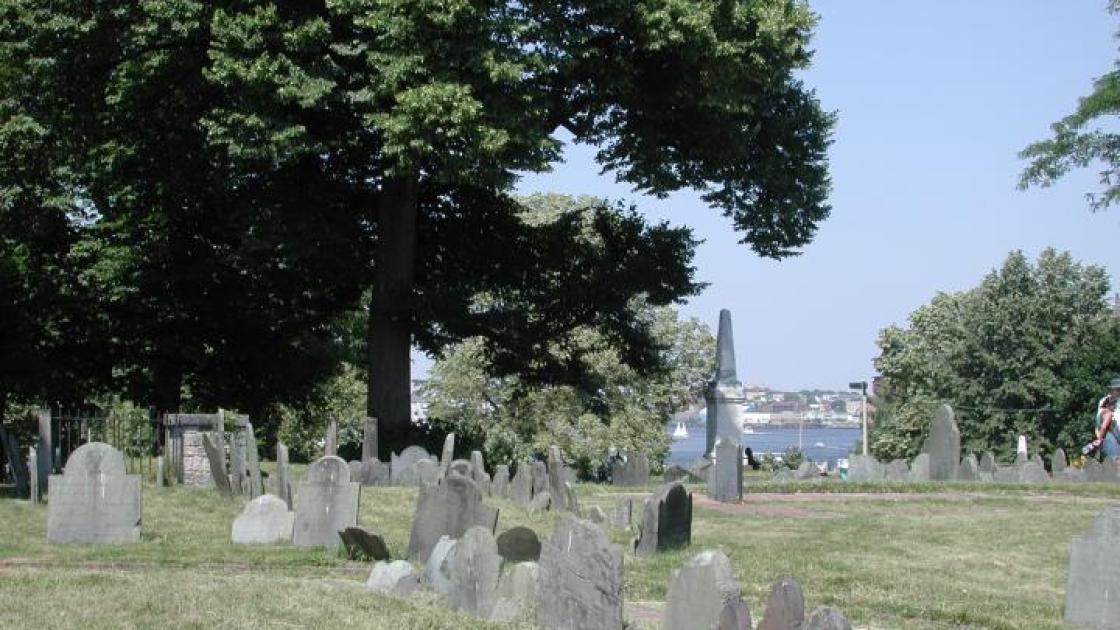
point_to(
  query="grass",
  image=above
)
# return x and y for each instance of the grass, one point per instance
(890, 555)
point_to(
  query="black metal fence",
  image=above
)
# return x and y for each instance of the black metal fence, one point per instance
(136, 433)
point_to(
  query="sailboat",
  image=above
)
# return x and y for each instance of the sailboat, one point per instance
(681, 431)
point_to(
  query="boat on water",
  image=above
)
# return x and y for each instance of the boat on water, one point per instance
(681, 431)
(748, 430)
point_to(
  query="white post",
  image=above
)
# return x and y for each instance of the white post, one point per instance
(864, 414)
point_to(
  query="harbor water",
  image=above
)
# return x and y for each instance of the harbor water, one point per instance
(818, 444)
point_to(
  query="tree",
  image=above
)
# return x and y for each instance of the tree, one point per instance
(1029, 351)
(417, 116)
(1080, 140)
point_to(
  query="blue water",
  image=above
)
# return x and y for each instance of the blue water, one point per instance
(820, 445)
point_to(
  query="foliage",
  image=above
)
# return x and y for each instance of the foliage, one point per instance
(1081, 139)
(303, 428)
(793, 457)
(1029, 351)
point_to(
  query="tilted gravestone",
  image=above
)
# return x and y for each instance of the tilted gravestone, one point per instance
(1094, 572)
(437, 570)
(919, 468)
(500, 485)
(666, 520)
(216, 455)
(327, 502)
(1058, 463)
(785, 609)
(969, 469)
(725, 478)
(700, 594)
(94, 501)
(521, 488)
(396, 578)
(634, 471)
(283, 478)
(450, 508)
(448, 454)
(475, 568)
(264, 521)
(944, 445)
(238, 477)
(362, 544)
(897, 470)
(580, 579)
(519, 544)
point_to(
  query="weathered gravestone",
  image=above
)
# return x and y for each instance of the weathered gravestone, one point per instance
(1007, 474)
(462, 467)
(449, 508)
(500, 485)
(702, 593)
(44, 453)
(159, 471)
(676, 472)
(437, 570)
(283, 478)
(1094, 574)
(596, 515)
(238, 477)
(215, 453)
(362, 544)
(519, 544)
(253, 461)
(264, 521)
(666, 520)
(427, 472)
(896, 470)
(541, 502)
(865, 468)
(969, 469)
(558, 474)
(725, 478)
(517, 588)
(919, 468)
(828, 618)
(396, 578)
(521, 488)
(327, 503)
(33, 467)
(724, 392)
(355, 467)
(330, 440)
(623, 514)
(1033, 472)
(1058, 463)
(807, 470)
(94, 501)
(15, 459)
(475, 567)
(944, 445)
(374, 473)
(634, 471)
(580, 579)
(448, 455)
(402, 472)
(785, 609)
(369, 440)
(540, 477)
(478, 472)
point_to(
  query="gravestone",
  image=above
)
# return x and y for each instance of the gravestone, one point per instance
(1094, 573)
(369, 440)
(355, 467)
(724, 393)
(699, 469)
(919, 468)
(1007, 474)
(517, 588)
(363, 545)
(1108, 471)
(94, 501)
(897, 470)
(866, 468)
(699, 593)
(785, 609)
(969, 470)
(988, 463)
(500, 486)
(1058, 463)
(44, 453)
(15, 459)
(725, 478)
(427, 471)
(521, 488)
(828, 618)
(571, 501)
(945, 445)
(475, 567)
(462, 467)
(330, 440)
(437, 571)
(676, 472)
(634, 471)
(596, 515)
(253, 460)
(393, 578)
(33, 466)
(519, 544)
(580, 579)
(541, 502)
(448, 455)
(623, 514)
(807, 470)
(478, 472)
(1033, 472)
(557, 476)
(238, 480)
(784, 474)
(159, 471)
(540, 477)
(1020, 457)
(327, 503)
(666, 521)
(375, 473)
(264, 521)
(449, 508)
(215, 453)
(401, 465)
(283, 477)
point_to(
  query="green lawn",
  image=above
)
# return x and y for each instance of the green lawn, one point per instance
(888, 555)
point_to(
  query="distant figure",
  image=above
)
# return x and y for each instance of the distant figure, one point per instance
(751, 461)
(1107, 434)
(606, 469)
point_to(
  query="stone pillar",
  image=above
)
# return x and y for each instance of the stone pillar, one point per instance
(44, 452)
(369, 440)
(725, 392)
(32, 465)
(330, 442)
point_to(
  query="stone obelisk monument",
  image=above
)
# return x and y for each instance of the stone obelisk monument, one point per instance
(725, 392)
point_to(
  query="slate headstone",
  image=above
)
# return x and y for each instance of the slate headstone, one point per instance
(919, 468)
(785, 608)
(521, 488)
(264, 521)
(540, 477)
(159, 471)
(556, 479)
(828, 618)
(362, 544)
(988, 462)
(253, 461)
(1033, 472)
(427, 471)
(700, 468)
(1094, 572)
(666, 520)
(623, 514)
(369, 440)
(475, 567)
(327, 502)
(33, 466)
(541, 502)
(969, 469)
(393, 578)
(519, 544)
(945, 445)
(283, 477)
(632, 470)
(580, 579)
(94, 500)
(478, 472)
(355, 467)
(865, 468)
(449, 508)
(437, 570)
(16, 460)
(404, 462)
(725, 478)
(700, 591)
(500, 486)
(596, 515)
(238, 479)
(217, 458)
(517, 589)
(448, 454)
(1058, 463)
(462, 467)
(676, 472)
(375, 473)
(330, 440)
(897, 470)
(44, 452)
(807, 470)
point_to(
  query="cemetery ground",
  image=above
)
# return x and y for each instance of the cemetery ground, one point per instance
(889, 555)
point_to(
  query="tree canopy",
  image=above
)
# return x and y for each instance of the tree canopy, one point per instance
(1028, 351)
(1082, 139)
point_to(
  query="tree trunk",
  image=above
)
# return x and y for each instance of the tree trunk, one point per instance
(168, 394)
(389, 336)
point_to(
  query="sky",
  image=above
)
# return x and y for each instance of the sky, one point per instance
(935, 100)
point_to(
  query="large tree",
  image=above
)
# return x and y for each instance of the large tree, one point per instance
(1081, 139)
(417, 115)
(1028, 351)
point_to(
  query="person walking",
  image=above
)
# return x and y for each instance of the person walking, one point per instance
(1107, 433)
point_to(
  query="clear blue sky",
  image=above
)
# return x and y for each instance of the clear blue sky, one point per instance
(935, 100)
